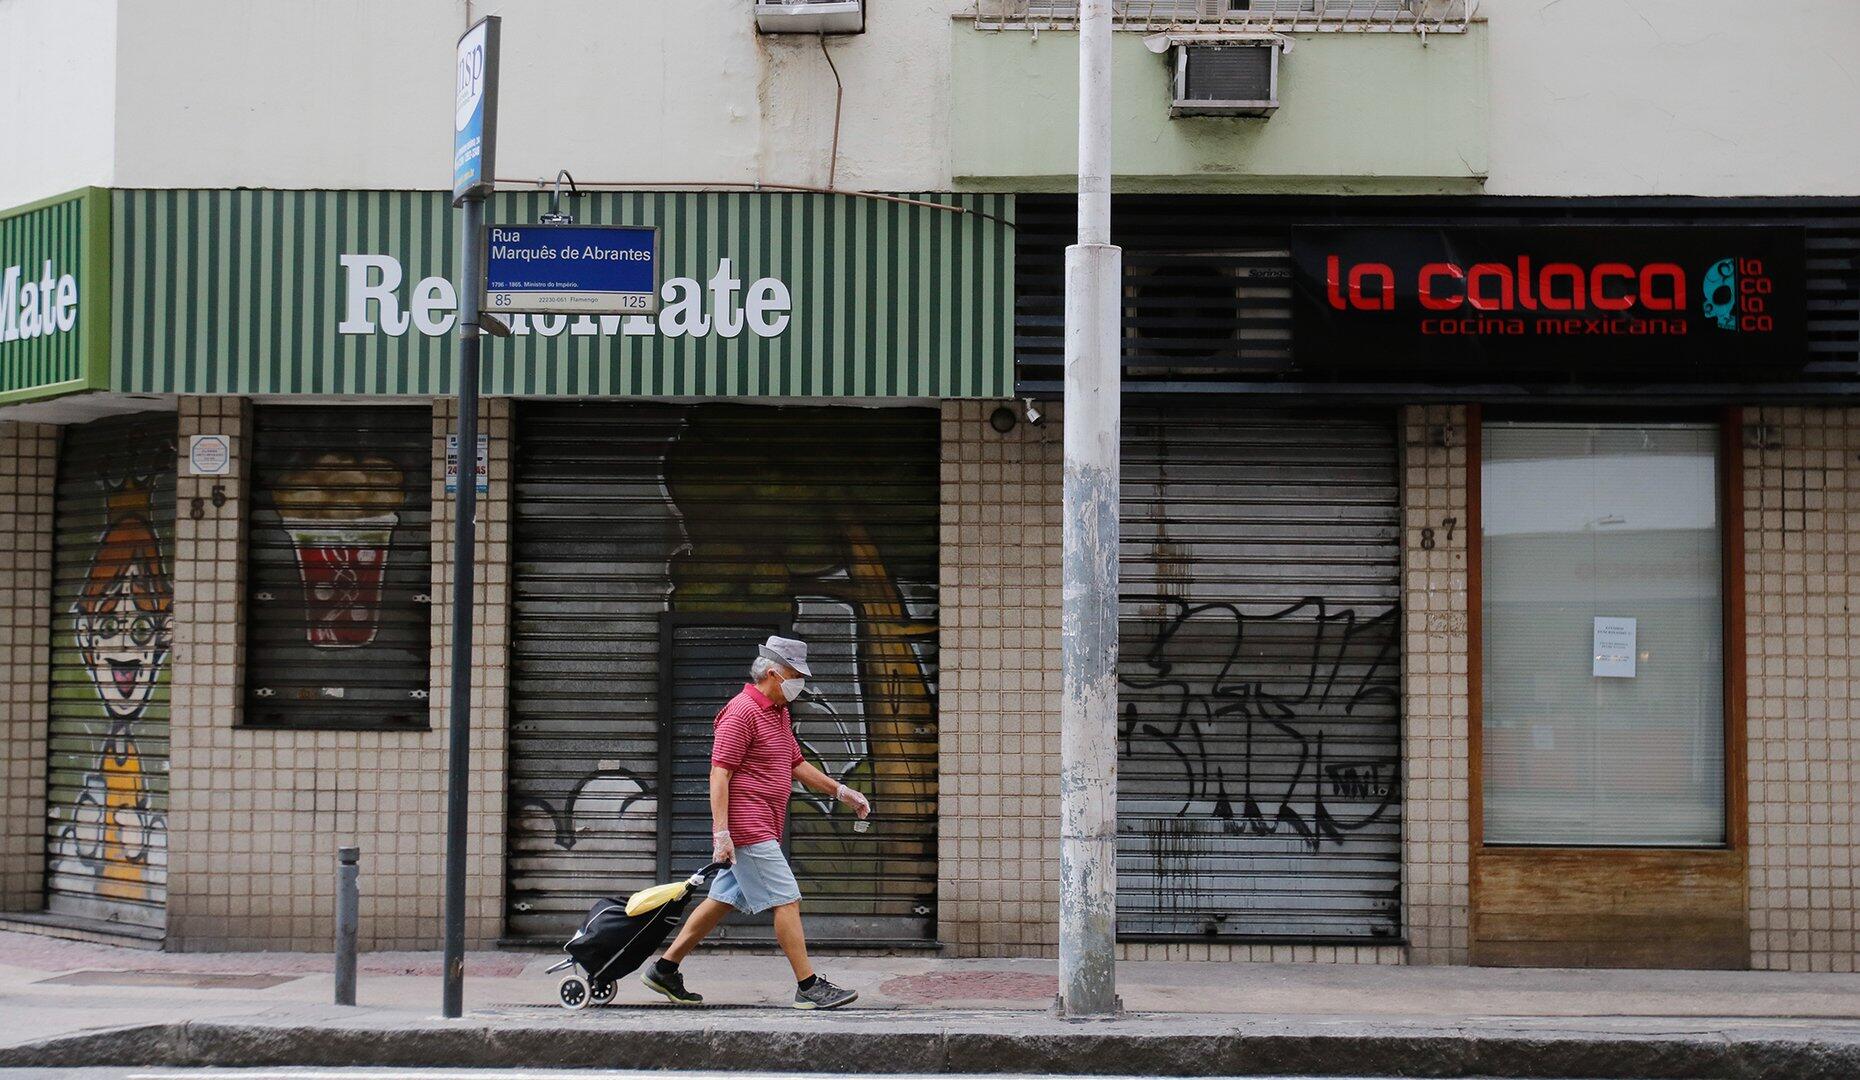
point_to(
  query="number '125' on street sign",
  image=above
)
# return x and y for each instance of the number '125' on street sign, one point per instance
(571, 269)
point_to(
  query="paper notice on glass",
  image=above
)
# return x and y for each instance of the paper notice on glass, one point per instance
(1614, 647)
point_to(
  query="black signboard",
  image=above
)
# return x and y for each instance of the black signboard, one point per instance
(1629, 303)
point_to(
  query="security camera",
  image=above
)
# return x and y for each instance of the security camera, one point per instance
(1034, 415)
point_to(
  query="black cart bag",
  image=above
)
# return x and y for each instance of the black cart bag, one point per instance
(618, 936)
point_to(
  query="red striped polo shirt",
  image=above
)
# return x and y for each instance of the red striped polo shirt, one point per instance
(755, 741)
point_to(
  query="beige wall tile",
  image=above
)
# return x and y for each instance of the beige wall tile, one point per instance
(1801, 515)
(998, 853)
(28, 472)
(1436, 854)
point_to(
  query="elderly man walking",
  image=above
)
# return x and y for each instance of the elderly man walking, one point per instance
(754, 762)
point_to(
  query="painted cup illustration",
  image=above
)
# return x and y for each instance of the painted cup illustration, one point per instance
(340, 514)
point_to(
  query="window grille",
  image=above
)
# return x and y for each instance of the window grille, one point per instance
(1409, 16)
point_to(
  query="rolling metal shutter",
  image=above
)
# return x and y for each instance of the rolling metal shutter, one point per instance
(112, 631)
(1258, 792)
(654, 545)
(339, 579)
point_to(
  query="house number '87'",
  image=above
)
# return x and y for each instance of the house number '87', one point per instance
(1427, 535)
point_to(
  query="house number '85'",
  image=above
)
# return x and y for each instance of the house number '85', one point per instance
(198, 508)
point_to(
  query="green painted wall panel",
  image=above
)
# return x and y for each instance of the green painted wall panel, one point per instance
(54, 338)
(1358, 113)
(268, 292)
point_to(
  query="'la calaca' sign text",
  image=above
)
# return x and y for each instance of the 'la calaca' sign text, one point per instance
(1550, 303)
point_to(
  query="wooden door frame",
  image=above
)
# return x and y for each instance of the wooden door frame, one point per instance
(1730, 858)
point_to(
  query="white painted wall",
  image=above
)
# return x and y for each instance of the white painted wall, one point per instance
(1588, 97)
(267, 93)
(357, 94)
(1660, 97)
(57, 96)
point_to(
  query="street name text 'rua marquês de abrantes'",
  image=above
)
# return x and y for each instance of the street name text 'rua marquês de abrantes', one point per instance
(502, 239)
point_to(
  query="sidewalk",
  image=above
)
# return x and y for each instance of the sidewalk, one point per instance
(69, 1003)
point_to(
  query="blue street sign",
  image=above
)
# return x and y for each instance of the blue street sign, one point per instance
(474, 116)
(571, 269)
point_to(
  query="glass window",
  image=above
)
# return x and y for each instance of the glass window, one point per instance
(1603, 642)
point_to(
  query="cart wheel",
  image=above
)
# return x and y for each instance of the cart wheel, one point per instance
(574, 992)
(602, 991)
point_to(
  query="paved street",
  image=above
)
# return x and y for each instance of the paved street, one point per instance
(458, 1074)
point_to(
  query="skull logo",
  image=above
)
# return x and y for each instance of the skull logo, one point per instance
(1721, 293)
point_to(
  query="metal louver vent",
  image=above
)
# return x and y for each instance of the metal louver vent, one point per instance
(1226, 80)
(810, 16)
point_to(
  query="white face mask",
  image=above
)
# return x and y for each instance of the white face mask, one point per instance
(793, 688)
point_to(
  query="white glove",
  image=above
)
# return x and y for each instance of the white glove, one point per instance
(721, 848)
(861, 806)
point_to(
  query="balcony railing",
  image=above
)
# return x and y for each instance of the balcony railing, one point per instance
(1281, 16)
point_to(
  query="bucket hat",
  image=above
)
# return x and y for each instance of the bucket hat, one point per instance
(789, 651)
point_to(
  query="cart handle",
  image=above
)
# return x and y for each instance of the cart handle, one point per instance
(702, 875)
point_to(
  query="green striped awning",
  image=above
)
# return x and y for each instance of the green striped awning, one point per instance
(54, 296)
(345, 292)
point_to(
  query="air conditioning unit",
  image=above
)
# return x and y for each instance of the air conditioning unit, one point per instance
(810, 16)
(1240, 79)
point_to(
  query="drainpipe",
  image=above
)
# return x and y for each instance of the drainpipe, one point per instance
(1088, 709)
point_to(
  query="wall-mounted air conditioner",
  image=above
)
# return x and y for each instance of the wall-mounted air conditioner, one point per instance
(810, 16)
(1238, 79)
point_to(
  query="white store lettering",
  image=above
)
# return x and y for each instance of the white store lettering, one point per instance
(31, 308)
(372, 302)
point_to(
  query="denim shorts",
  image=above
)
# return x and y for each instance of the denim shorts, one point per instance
(758, 880)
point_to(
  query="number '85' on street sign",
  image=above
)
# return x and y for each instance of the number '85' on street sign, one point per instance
(571, 269)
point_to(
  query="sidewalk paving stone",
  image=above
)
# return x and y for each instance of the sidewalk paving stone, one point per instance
(75, 1004)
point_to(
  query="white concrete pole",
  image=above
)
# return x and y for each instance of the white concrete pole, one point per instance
(1088, 711)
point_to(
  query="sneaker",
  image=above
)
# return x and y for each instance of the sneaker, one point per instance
(824, 995)
(672, 986)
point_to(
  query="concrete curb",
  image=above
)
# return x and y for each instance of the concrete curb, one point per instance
(1250, 1050)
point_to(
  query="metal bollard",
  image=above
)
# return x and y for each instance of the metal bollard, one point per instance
(348, 905)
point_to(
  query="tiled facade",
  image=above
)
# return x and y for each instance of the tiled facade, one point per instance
(998, 703)
(1801, 513)
(231, 868)
(28, 468)
(1436, 706)
(257, 815)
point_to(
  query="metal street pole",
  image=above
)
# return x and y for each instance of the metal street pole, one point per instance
(474, 142)
(464, 569)
(1088, 709)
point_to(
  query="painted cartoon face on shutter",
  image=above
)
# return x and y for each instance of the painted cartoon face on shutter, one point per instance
(125, 613)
